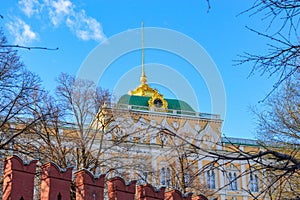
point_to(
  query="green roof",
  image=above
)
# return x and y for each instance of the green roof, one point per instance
(240, 141)
(142, 101)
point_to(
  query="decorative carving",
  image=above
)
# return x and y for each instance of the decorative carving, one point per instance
(175, 124)
(143, 90)
(208, 142)
(158, 102)
(197, 127)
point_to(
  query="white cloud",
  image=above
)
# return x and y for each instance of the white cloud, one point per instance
(85, 27)
(22, 32)
(64, 12)
(60, 10)
(29, 7)
(62, 6)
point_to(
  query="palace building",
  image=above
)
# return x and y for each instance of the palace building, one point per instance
(166, 143)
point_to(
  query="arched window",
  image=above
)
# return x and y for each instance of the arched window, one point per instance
(234, 181)
(187, 180)
(165, 176)
(208, 179)
(256, 183)
(145, 177)
(162, 176)
(230, 181)
(211, 179)
(168, 177)
(232, 177)
(253, 183)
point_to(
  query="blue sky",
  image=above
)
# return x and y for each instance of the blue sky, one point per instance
(77, 27)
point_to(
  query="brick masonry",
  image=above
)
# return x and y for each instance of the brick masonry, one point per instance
(18, 184)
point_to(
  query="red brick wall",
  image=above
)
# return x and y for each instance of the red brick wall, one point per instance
(18, 181)
(56, 183)
(19, 177)
(89, 187)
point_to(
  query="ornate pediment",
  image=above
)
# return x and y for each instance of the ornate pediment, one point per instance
(208, 138)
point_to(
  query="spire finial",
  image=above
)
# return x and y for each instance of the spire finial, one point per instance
(143, 77)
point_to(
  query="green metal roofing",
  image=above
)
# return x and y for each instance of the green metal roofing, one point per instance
(173, 104)
(240, 141)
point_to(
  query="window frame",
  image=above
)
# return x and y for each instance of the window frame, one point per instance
(253, 182)
(210, 177)
(232, 177)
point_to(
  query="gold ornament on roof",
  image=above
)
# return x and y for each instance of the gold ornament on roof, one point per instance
(157, 102)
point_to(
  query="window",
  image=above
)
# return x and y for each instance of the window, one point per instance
(145, 176)
(232, 177)
(234, 183)
(186, 180)
(168, 177)
(162, 176)
(232, 180)
(165, 178)
(211, 179)
(253, 183)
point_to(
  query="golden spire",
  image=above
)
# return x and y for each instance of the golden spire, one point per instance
(156, 100)
(143, 89)
(143, 78)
